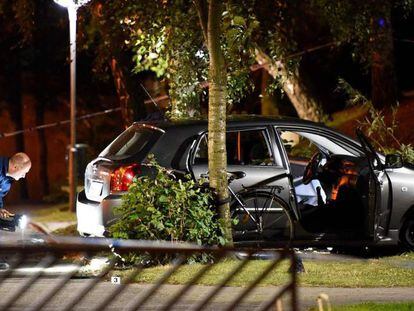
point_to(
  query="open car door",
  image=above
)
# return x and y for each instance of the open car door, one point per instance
(378, 196)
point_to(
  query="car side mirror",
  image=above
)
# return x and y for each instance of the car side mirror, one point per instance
(393, 161)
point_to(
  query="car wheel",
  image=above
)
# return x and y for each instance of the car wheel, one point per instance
(407, 233)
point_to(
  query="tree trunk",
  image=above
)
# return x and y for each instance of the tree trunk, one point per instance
(130, 94)
(306, 107)
(217, 156)
(383, 80)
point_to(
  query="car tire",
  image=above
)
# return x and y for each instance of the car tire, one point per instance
(407, 233)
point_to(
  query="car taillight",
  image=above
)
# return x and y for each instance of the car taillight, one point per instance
(123, 176)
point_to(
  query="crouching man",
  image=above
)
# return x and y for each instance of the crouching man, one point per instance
(11, 169)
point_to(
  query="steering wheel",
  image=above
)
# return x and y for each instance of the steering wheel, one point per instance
(311, 169)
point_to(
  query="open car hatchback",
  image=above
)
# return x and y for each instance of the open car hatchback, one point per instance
(338, 190)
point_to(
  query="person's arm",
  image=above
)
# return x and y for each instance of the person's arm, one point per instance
(2, 194)
(3, 212)
(4, 189)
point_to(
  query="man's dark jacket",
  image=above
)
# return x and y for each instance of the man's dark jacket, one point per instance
(5, 181)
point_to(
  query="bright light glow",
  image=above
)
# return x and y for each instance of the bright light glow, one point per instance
(58, 269)
(65, 3)
(71, 3)
(23, 221)
(200, 54)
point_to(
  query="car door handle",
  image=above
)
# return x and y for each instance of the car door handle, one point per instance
(291, 195)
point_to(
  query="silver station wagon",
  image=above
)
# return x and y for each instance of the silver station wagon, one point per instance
(335, 190)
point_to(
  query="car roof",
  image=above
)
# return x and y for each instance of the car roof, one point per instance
(233, 121)
(180, 134)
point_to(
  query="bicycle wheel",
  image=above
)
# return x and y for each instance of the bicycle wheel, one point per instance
(269, 218)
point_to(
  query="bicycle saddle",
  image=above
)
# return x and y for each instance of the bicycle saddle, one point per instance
(230, 175)
(236, 175)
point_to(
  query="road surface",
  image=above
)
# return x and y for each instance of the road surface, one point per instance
(307, 295)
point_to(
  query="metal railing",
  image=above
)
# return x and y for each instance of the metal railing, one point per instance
(33, 281)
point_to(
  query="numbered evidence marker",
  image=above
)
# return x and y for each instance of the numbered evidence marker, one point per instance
(116, 280)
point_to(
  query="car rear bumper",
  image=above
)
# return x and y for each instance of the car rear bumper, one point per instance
(94, 217)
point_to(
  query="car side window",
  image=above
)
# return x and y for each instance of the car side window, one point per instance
(299, 150)
(201, 155)
(298, 147)
(250, 147)
(303, 144)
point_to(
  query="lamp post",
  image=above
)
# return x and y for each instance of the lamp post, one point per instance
(72, 7)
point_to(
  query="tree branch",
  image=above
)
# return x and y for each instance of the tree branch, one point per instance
(201, 6)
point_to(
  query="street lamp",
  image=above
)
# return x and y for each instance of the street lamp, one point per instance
(72, 7)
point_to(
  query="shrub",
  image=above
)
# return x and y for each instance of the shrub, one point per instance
(162, 207)
(375, 126)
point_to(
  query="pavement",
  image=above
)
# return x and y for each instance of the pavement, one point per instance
(49, 227)
(261, 295)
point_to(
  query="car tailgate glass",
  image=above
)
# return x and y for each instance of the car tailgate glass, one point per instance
(134, 142)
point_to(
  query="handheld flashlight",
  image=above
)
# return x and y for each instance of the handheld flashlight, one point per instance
(10, 223)
(21, 221)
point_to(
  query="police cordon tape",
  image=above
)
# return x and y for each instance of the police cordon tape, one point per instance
(58, 123)
(163, 97)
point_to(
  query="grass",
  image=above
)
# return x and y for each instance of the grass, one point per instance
(67, 231)
(55, 213)
(370, 306)
(384, 272)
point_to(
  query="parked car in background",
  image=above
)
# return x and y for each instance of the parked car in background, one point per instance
(335, 188)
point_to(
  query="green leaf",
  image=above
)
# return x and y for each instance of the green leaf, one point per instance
(239, 21)
(167, 209)
(163, 199)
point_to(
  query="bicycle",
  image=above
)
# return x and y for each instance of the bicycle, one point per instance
(259, 212)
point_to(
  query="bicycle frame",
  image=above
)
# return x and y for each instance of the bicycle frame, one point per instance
(252, 190)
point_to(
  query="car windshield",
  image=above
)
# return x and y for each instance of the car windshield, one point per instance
(135, 141)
